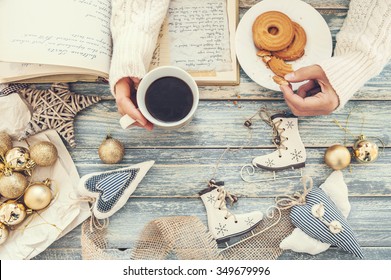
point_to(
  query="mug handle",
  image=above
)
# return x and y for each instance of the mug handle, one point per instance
(126, 121)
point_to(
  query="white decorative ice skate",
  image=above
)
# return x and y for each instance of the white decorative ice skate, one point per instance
(221, 222)
(290, 152)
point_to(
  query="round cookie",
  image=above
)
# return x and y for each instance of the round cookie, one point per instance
(296, 49)
(272, 31)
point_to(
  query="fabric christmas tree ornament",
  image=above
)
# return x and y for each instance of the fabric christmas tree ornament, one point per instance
(322, 220)
(111, 189)
(337, 190)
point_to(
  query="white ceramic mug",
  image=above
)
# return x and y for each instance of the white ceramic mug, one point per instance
(164, 71)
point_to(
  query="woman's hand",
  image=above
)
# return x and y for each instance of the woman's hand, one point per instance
(123, 90)
(316, 97)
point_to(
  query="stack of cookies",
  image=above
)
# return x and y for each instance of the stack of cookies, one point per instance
(278, 39)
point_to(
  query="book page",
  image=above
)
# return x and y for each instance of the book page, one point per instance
(8, 71)
(195, 37)
(73, 33)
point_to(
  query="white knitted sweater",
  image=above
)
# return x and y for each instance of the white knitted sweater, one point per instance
(363, 47)
(363, 44)
(135, 26)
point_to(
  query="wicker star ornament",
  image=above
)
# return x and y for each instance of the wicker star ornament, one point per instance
(55, 108)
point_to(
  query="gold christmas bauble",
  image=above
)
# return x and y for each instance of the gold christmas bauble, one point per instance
(18, 159)
(44, 153)
(38, 195)
(12, 213)
(5, 143)
(3, 233)
(337, 157)
(111, 150)
(365, 151)
(13, 185)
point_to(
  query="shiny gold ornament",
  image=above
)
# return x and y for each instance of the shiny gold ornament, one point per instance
(44, 153)
(3, 233)
(12, 185)
(365, 151)
(337, 157)
(12, 213)
(38, 195)
(111, 150)
(18, 159)
(5, 143)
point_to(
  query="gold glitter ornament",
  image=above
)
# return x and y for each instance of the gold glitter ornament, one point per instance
(365, 151)
(5, 143)
(18, 159)
(38, 195)
(12, 185)
(337, 157)
(12, 213)
(111, 150)
(44, 153)
(3, 233)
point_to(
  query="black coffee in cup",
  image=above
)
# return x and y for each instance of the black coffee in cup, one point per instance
(169, 99)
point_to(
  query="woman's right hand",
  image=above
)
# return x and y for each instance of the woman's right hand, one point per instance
(123, 90)
(316, 97)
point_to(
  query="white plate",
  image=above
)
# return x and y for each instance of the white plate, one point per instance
(319, 42)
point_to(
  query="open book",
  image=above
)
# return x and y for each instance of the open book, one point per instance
(69, 40)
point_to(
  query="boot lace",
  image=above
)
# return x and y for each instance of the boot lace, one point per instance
(278, 138)
(221, 200)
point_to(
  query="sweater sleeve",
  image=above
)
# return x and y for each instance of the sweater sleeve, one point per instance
(363, 47)
(135, 26)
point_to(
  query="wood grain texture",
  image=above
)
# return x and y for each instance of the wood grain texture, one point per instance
(220, 124)
(127, 223)
(375, 89)
(371, 253)
(184, 172)
(185, 159)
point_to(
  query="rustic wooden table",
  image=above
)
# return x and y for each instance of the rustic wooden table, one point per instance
(185, 159)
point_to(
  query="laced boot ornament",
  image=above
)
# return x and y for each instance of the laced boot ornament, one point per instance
(289, 153)
(222, 223)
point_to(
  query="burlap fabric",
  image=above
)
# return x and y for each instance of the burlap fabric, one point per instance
(93, 243)
(188, 238)
(265, 245)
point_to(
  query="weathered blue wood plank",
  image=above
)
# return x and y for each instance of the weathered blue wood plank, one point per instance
(369, 219)
(220, 124)
(371, 253)
(183, 172)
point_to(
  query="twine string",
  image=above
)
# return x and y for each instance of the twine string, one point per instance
(277, 138)
(95, 223)
(288, 201)
(222, 196)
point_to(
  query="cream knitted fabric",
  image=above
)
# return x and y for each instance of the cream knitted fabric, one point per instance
(135, 25)
(363, 47)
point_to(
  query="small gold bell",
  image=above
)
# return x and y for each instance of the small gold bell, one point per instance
(365, 151)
